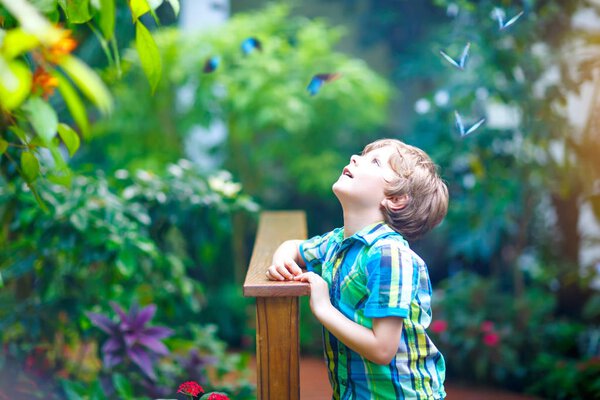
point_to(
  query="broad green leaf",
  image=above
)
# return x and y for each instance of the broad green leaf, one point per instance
(126, 263)
(149, 54)
(42, 117)
(17, 41)
(44, 6)
(175, 6)
(30, 166)
(123, 386)
(72, 390)
(77, 11)
(20, 133)
(15, 83)
(138, 8)
(69, 137)
(57, 156)
(89, 82)
(3, 146)
(62, 177)
(107, 18)
(73, 102)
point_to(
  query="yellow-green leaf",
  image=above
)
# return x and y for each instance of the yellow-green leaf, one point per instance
(149, 54)
(63, 177)
(15, 83)
(59, 161)
(69, 138)
(77, 11)
(33, 21)
(73, 102)
(17, 41)
(42, 117)
(3, 146)
(89, 82)
(138, 8)
(30, 166)
(107, 18)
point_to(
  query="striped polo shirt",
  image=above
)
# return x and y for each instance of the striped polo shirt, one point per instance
(375, 274)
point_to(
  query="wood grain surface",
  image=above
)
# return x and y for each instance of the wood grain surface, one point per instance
(274, 227)
(277, 337)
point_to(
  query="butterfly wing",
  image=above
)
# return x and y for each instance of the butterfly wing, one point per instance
(459, 123)
(450, 59)
(328, 77)
(512, 20)
(474, 127)
(499, 15)
(464, 55)
(319, 80)
(211, 64)
(249, 44)
(314, 85)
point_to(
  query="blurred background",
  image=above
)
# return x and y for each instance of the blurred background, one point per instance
(139, 141)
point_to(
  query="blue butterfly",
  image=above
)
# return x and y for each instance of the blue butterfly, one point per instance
(461, 127)
(211, 64)
(319, 80)
(499, 14)
(248, 45)
(460, 64)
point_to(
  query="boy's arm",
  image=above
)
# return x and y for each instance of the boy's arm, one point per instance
(287, 261)
(379, 344)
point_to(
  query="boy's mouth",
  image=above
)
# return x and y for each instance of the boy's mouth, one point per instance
(347, 173)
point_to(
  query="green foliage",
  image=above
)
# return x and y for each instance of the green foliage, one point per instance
(488, 336)
(35, 58)
(152, 238)
(262, 99)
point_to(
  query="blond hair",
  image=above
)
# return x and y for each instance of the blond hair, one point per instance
(419, 181)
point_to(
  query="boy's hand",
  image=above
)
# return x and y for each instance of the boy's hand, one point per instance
(319, 292)
(283, 269)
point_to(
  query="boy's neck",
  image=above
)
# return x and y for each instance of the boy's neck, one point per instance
(355, 220)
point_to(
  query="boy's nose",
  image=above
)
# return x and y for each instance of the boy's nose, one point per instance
(354, 159)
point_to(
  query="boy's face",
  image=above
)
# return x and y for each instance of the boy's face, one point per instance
(363, 181)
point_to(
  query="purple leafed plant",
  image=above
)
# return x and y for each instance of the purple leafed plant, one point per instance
(130, 338)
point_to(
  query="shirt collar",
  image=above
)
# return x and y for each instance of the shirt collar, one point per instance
(370, 233)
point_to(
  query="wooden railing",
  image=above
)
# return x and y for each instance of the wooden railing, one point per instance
(277, 341)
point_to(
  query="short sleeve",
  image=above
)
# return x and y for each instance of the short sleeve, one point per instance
(392, 281)
(314, 250)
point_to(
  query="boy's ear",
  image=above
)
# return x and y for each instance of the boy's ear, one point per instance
(395, 203)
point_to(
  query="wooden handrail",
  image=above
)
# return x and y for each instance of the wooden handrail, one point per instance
(277, 340)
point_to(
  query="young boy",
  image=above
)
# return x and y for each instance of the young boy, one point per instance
(370, 291)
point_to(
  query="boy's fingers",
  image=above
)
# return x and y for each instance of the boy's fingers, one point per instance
(283, 271)
(304, 277)
(293, 267)
(273, 274)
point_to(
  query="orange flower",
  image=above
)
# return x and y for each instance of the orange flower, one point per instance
(43, 83)
(61, 48)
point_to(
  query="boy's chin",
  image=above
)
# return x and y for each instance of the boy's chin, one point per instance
(340, 192)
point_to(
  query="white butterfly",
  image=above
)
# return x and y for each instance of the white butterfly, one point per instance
(499, 15)
(460, 64)
(461, 127)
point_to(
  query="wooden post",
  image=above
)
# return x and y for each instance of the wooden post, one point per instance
(277, 340)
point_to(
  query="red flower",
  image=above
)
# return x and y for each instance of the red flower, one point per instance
(491, 339)
(218, 396)
(487, 326)
(439, 326)
(190, 388)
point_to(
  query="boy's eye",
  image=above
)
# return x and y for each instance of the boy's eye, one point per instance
(375, 161)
